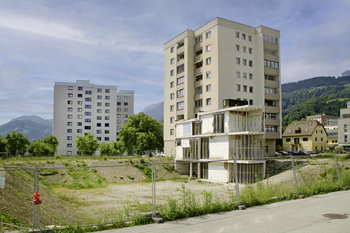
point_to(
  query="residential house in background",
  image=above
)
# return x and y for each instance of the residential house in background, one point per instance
(332, 135)
(305, 136)
(324, 119)
(83, 107)
(217, 64)
(210, 142)
(344, 127)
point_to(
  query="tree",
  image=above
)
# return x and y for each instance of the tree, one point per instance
(112, 148)
(47, 146)
(141, 133)
(2, 144)
(86, 144)
(16, 143)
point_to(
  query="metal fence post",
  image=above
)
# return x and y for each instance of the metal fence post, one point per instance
(295, 175)
(36, 208)
(153, 190)
(236, 182)
(336, 165)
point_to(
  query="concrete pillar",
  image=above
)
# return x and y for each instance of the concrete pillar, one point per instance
(190, 170)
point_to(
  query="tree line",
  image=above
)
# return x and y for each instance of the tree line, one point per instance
(139, 135)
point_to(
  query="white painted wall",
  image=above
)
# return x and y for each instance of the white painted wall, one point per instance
(207, 124)
(217, 172)
(219, 147)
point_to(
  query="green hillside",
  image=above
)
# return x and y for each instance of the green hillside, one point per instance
(314, 96)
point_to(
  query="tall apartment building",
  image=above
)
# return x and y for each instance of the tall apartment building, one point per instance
(344, 127)
(83, 107)
(324, 119)
(217, 64)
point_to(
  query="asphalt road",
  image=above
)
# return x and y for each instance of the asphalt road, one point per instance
(302, 215)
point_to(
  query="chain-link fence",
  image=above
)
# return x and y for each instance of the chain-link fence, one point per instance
(89, 193)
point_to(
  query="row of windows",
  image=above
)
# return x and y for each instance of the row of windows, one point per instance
(69, 116)
(272, 64)
(304, 140)
(245, 88)
(244, 36)
(244, 75)
(119, 97)
(125, 115)
(125, 103)
(244, 49)
(119, 109)
(89, 92)
(244, 62)
(270, 39)
(88, 100)
(200, 38)
(69, 109)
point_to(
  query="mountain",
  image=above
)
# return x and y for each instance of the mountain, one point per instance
(156, 111)
(33, 127)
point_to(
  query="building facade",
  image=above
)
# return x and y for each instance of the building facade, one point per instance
(344, 127)
(207, 145)
(305, 136)
(83, 107)
(332, 135)
(324, 119)
(219, 63)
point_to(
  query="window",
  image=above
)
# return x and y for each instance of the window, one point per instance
(250, 50)
(315, 139)
(249, 37)
(198, 90)
(119, 103)
(119, 121)
(208, 48)
(321, 139)
(208, 101)
(250, 63)
(107, 104)
(98, 138)
(99, 90)
(218, 122)
(106, 124)
(245, 75)
(99, 118)
(237, 34)
(198, 103)
(171, 131)
(172, 61)
(80, 88)
(237, 47)
(250, 102)
(87, 106)
(172, 84)
(99, 104)
(79, 123)
(69, 116)
(126, 115)
(171, 108)
(287, 139)
(180, 80)
(172, 72)
(208, 87)
(180, 106)
(80, 116)
(106, 131)
(208, 74)
(69, 130)
(88, 99)
(99, 110)
(70, 87)
(125, 97)
(208, 34)
(305, 139)
(69, 138)
(87, 127)
(238, 74)
(271, 64)
(270, 39)
(243, 36)
(180, 93)
(125, 109)
(98, 124)
(119, 115)
(69, 123)
(107, 97)
(171, 119)
(69, 145)
(107, 90)
(126, 103)
(238, 87)
(88, 92)
(244, 88)
(106, 110)
(106, 139)
(125, 121)
(172, 96)
(208, 61)
(70, 109)
(198, 39)
(171, 49)
(244, 62)
(250, 76)
(87, 113)
(80, 102)
(107, 118)
(70, 102)
(251, 89)
(79, 130)
(99, 97)
(98, 131)
(70, 94)
(238, 61)
(244, 49)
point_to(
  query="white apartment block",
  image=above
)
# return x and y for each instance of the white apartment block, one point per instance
(218, 65)
(83, 107)
(344, 127)
(210, 142)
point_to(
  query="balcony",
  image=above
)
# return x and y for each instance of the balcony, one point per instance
(269, 96)
(180, 49)
(270, 46)
(271, 57)
(272, 109)
(198, 71)
(272, 122)
(271, 71)
(272, 135)
(198, 58)
(272, 83)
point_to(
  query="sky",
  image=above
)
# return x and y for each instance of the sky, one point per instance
(121, 43)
